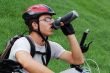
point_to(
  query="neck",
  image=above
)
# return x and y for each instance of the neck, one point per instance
(37, 39)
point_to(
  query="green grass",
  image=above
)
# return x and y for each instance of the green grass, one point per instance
(93, 14)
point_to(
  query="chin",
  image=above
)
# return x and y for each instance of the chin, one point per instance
(49, 34)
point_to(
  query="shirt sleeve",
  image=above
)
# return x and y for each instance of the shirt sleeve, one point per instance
(20, 44)
(56, 49)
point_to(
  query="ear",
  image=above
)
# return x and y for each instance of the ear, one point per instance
(34, 25)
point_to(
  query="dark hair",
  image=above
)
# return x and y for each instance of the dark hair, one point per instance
(29, 23)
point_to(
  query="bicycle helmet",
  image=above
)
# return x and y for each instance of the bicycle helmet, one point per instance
(35, 11)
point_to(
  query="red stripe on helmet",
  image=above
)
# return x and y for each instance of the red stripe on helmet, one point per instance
(38, 8)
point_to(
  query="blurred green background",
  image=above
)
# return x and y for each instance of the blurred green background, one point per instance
(93, 14)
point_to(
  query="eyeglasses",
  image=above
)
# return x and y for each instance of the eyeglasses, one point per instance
(47, 19)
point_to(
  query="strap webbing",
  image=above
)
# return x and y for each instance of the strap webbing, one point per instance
(32, 51)
(47, 53)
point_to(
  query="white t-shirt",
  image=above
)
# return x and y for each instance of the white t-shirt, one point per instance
(23, 44)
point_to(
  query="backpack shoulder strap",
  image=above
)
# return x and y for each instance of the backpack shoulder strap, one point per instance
(48, 52)
(32, 51)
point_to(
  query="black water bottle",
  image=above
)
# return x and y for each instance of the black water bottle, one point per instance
(65, 19)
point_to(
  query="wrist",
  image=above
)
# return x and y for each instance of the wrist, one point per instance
(67, 29)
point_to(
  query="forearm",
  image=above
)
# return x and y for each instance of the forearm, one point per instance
(75, 49)
(37, 68)
(76, 55)
(29, 64)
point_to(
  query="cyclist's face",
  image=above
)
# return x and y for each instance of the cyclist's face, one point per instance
(45, 24)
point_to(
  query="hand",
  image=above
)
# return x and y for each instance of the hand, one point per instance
(67, 29)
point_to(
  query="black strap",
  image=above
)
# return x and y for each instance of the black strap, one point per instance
(38, 52)
(47, 53)
(42, 56)
(38, 32)
(32, 46)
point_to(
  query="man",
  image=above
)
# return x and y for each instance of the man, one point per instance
(39, 20)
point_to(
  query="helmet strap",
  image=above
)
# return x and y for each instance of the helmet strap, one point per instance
(41, 35)
(45, 38)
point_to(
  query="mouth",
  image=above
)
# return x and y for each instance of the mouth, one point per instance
(51, 29)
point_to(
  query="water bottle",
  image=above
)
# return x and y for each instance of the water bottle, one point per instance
(65, 19)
